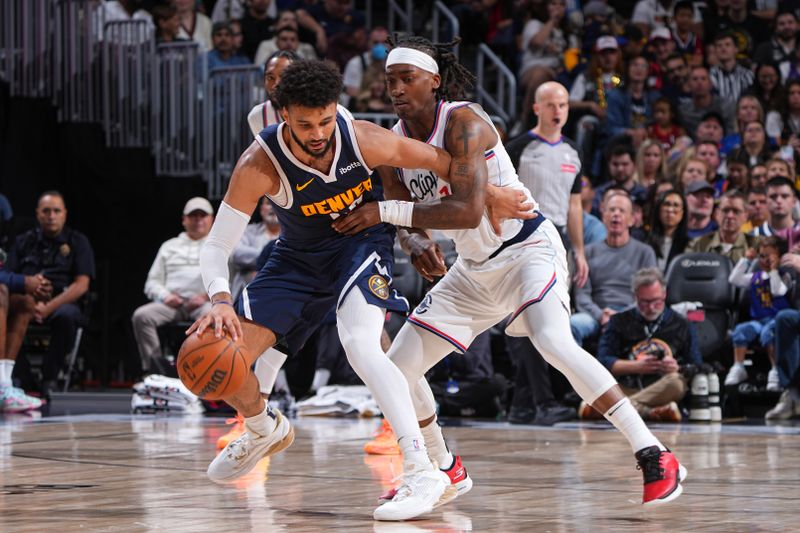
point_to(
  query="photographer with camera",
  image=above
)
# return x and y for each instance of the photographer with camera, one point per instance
(645, 348)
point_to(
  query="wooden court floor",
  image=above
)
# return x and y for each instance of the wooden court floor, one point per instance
(116, 473)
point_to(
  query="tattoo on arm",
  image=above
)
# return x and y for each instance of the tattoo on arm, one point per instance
(465, 136)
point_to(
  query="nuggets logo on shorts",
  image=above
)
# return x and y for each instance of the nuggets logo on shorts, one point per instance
(379, 287)
(424, 305)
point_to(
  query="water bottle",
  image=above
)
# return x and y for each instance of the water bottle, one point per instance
(713, 397)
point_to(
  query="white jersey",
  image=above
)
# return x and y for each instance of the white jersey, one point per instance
(265, 115)
(474, 245)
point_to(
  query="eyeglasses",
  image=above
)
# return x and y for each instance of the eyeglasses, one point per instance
(651, 302)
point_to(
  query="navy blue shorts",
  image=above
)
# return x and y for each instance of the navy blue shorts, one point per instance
(295, 289)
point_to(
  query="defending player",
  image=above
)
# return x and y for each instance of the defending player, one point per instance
(522, 273)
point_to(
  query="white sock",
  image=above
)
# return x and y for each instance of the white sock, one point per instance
(437, 447)
(321, 377)
(268, 365)
(415, 456)
(263, 423)
(625, 418)
(6, 369)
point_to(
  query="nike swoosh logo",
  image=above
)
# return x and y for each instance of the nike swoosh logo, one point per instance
(303, 186)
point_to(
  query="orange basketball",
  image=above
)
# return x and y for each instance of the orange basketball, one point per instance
(212, 367)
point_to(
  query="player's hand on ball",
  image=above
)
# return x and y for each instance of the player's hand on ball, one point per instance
(221, 315)
(426, 256)
(365, 216)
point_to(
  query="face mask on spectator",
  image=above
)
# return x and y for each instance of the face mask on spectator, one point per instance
(379, 52)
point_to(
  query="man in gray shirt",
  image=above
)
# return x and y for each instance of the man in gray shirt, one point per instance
(703, 101)
(612, 264)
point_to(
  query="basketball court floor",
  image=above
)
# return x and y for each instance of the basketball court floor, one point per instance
(146, 473)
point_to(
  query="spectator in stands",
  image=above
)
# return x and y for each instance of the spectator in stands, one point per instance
(256, 236)
(729, 78)
(754, 144)
(781, 49)
(286, 38)
(729, 240)
(771, 95)
(667, 235)
(644, 347)
(758, 178)
(651, 163)
(257, 26)
(174, 285)
(630, 108)
(757, 212)
(168, 24)
(767, 289)
(65, 257)
(661, 46)
(700, 204)
(331, 21)
(612, 264)
(738, 172)
(744, 26)
(664, 127)
(223, 54)
(707, 151)
(588, 94)
(748, 109)
(787, 360)
(790, 116)
(373, 98)
(778, 167)
(193, 24)
(693, 169)
(545, 38)
(593, 228)
(622, 170)
(704, 101)
(39, 289)
(357, 66)
(781, 200)
(676, 85)
(687, 42)
(710, 128)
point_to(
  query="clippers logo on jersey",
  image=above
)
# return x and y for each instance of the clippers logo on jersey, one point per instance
(422, 185)
(379, 287)
(424, 305)
(339, 202)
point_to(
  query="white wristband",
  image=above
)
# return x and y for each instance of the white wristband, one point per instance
(396, 212)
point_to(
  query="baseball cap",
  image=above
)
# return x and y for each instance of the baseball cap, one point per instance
(606, 42)
(198, 203)
(660, 33)
(699, 185)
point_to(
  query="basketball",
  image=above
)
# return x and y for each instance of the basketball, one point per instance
(212, 367)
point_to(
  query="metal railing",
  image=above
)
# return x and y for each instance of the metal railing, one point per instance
(441, 10)
(77, 57)
(26, 56)
(404, 13)
(230, 94)
(177, 109)
(503, 101)
(128, 59)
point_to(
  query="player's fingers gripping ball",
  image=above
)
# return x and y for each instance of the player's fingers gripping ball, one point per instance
(212, 367)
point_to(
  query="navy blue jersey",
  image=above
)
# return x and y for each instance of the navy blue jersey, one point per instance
(309, 200)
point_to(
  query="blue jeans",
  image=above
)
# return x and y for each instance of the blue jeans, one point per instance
(787, 345)
(746, 332)
(583, 327)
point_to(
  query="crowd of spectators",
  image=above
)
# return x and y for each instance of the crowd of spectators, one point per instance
(685, 118)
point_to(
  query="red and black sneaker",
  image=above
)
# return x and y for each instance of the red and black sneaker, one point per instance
(662, 475)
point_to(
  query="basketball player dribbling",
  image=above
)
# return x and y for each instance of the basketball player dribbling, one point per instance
(314, 167)
(521, 274)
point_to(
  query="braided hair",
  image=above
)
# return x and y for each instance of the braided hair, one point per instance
(456, 78)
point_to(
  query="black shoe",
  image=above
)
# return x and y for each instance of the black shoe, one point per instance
(521, 415)
(547, 415)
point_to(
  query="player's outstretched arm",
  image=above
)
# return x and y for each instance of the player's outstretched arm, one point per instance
(253, 177)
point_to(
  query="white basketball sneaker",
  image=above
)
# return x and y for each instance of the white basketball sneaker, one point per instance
(242, 454)
(417, 495)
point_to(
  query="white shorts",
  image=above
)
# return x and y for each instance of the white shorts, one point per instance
(473, 297)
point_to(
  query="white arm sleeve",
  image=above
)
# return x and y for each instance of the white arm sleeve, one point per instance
(226, 232)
